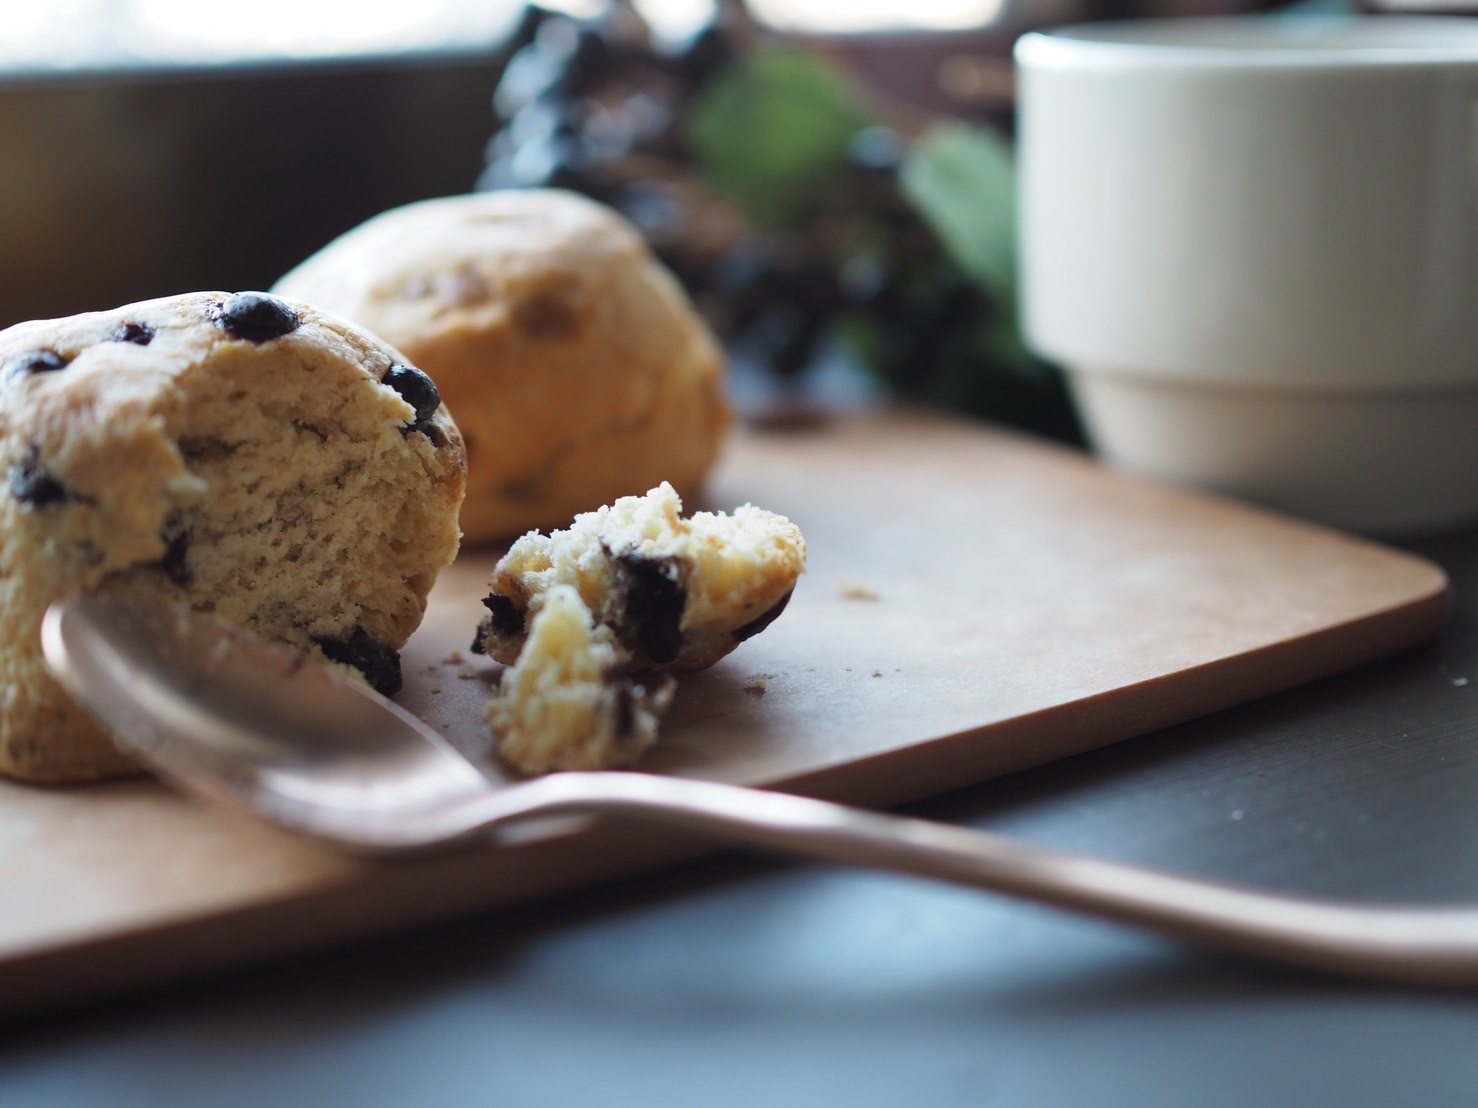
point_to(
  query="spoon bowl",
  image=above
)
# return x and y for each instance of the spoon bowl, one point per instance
(254, 724)
(258, 727)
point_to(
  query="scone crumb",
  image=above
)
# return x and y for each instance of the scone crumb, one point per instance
(856, 590)
(756, 685)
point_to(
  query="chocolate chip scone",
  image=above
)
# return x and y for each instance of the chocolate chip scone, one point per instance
(627, 594)
(678, 593)
(240, 454)
(573, 361)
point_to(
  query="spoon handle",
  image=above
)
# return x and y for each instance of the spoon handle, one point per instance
(1412, 945)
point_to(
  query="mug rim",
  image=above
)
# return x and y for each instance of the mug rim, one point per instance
(1300, 40)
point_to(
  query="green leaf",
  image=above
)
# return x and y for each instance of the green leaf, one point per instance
(769, 131)
(962, 179)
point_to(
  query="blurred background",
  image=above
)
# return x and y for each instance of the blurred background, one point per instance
(831, 179)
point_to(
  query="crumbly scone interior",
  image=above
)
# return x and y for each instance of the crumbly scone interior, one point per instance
(304, 500)
(568, 704)
(597, 618)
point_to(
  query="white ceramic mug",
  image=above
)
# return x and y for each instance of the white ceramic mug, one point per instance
(1253, 245)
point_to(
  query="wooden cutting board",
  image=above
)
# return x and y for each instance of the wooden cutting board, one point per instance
(976, 602)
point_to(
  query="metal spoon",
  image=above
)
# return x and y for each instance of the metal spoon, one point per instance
(253, 725)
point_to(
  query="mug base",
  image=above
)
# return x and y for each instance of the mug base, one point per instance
(1382, 462)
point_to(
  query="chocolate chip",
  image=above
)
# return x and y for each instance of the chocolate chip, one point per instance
(140, 334)
(655, 600)
(760, 622)
(256, 317)
(632, 695)
(507, 617)
(35, 361)
(416, 389)
(31, 484)
(379, 663)
(627, 694)
(174, 564)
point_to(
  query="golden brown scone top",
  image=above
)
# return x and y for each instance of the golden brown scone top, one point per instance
(572, 360)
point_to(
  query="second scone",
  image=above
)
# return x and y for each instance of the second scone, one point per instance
(571, 359)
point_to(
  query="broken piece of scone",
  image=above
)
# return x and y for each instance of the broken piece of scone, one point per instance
(571, 701)
(595, 618)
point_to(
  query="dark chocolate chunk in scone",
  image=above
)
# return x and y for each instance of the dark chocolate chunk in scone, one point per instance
(380, 664)
(505, 620)
(175, 562)
(416, 389)
(31, 483)
(507, 617)
(140, 334)
(655, 601)
(35, 361)
(256, 317)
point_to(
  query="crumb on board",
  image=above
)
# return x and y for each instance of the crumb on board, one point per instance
(455, 658)
(877, 673)
(856, 590)
(467, 672)
(757, 684)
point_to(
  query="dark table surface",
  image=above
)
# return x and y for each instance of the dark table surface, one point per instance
(738, 981)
